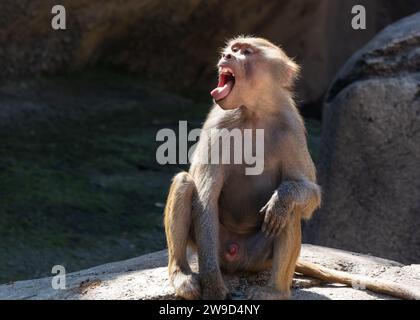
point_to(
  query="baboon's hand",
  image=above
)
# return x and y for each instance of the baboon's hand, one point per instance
(277, 212)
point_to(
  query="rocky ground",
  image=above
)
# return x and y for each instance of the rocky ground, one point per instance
(145, 277)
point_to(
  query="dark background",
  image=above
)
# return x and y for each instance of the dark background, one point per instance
(80, 108)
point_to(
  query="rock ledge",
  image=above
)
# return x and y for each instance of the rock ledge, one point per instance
(145, 277)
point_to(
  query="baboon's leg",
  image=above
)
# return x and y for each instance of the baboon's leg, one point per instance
(285, 254)
(177, 228)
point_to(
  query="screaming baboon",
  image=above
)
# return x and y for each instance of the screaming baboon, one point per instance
(242, 222)
(235, 221)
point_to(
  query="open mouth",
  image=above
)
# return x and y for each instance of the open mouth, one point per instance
(225, 85)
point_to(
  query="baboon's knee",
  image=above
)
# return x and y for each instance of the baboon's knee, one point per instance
(183, 186)
(182, 178)
(180, 194)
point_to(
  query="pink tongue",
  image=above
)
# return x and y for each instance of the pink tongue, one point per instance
(222, 92)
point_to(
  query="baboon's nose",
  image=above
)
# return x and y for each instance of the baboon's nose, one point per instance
(227, 56)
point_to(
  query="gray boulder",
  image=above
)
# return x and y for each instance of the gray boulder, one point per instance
(370, 151)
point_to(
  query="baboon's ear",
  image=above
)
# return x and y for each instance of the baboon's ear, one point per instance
(291, 73)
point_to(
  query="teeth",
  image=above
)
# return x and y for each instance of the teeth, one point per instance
(226, 71)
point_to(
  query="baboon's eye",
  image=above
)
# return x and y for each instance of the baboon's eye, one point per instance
(248, 51)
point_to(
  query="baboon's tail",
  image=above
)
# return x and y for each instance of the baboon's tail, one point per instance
(376, 285)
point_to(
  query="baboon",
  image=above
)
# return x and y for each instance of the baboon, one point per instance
(241, 222)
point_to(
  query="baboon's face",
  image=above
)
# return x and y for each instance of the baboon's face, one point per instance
(249, 69)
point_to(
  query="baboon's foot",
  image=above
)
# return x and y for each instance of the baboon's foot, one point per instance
(186, 285)
(266, 293)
